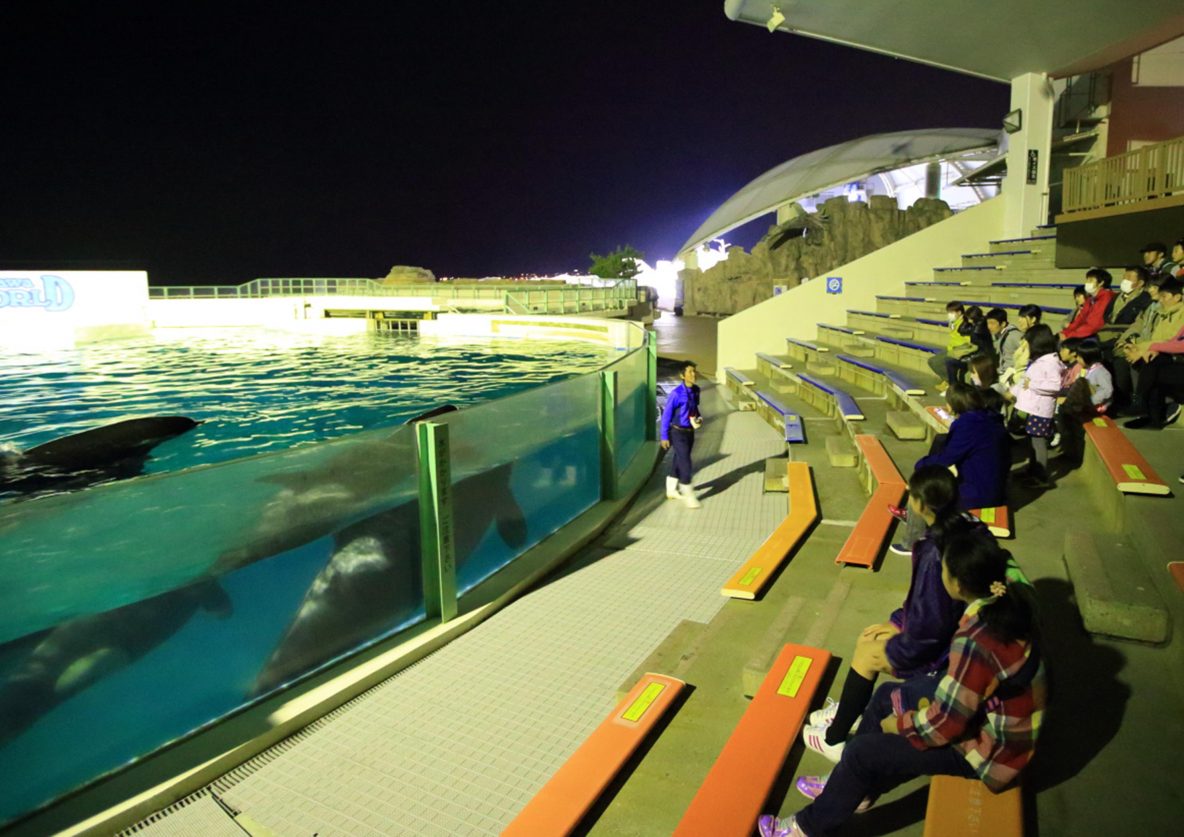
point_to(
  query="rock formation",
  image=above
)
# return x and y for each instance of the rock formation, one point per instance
(402, 274)
(838, 233)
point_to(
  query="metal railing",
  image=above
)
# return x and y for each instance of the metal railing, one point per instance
(1153, 171)
(515, 297)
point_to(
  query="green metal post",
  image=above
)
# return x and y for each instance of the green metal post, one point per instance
(435, 521)
(651, 387)
(608, 435)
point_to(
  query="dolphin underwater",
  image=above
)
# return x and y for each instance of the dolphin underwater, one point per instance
(102, 454)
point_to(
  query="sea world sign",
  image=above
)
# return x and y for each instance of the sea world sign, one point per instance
(52, 293)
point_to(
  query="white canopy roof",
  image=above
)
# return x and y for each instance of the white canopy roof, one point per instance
(834, 166)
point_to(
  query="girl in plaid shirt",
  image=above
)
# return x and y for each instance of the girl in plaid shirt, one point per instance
(979, 720)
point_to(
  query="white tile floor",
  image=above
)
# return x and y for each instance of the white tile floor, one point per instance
(458, 743)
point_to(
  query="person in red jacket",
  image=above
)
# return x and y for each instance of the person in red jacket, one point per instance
(1092, 316)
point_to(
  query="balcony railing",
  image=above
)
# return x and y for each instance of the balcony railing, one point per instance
(1154, 171)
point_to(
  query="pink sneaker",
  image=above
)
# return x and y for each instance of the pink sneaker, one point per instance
(770, 826)
(811, 788)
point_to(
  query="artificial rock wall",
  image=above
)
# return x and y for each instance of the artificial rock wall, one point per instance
(840, 232)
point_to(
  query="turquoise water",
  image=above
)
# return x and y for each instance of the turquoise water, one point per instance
(136, 612)
(258, 391)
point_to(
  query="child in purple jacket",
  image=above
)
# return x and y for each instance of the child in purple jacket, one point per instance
(916, 638)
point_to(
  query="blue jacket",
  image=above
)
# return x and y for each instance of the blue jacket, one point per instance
(978, 445)
(929, 617)
(680, 406)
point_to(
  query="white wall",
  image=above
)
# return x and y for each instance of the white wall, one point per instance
(55, 308)
(797, 312)
(274, 312)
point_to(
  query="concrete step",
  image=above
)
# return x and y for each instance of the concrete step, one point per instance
(1114, 594)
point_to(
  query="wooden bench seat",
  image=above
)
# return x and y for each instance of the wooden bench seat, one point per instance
(866, 541)
(755, 574)
(566, 798)
(738, 377)
(906, 386)
(908, 344)
(844, 402)
(965, 808)
(841, 329)
(737, 786)
(877, 314)
(1131, 472)
(998, 520)
(791, 421)
(773, 361)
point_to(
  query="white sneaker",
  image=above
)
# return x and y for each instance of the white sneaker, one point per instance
(688, 496)
(815, 738)
(672, 488)
(825, 716)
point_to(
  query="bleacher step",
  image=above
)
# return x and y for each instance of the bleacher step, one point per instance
(1114, 594)
(905, 425)
(819, 368)
(775, 476)
(766, 650)
(840, 452)
(673, 656)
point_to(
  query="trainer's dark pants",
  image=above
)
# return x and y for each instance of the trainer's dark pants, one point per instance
(874, 762)
(681, 442)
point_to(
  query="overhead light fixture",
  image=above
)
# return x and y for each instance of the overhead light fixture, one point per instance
(775, 20)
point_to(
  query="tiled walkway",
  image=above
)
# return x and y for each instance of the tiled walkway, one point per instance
(459, 742)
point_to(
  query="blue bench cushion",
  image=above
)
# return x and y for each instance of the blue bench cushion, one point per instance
(795, 431)
(843, 329)
(775, 362)
(805, 344)
(910, 345)
(814, 382)
(902, 383)
(847, 406)
(738, 376)
(780, 408)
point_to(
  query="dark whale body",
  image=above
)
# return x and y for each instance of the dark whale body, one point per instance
(112, 452)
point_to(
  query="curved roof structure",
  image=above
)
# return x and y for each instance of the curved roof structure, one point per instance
(834, 166)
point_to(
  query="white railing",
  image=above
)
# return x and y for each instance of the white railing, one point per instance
(1154, 171)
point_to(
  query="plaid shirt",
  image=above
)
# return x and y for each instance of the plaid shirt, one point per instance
(997, 735)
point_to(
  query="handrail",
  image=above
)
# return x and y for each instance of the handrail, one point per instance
(1153, 171)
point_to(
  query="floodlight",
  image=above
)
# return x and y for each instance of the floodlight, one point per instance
(775, 20)
(1013, 121)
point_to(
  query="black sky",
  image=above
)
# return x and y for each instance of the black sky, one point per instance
(216, 143)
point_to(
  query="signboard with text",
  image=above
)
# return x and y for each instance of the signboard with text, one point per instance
(56, 308)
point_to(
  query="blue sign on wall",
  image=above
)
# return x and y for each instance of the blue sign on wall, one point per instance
(834, 284)
(53, 293)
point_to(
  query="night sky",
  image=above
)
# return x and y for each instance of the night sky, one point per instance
(214, 143)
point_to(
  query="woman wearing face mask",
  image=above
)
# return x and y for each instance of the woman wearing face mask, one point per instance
(1090, 318)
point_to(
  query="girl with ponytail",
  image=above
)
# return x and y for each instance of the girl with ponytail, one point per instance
(915, 640)
(979, 721)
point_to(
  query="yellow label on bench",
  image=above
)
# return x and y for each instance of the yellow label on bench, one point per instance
(1100, 422)
(638, 708)
(794, 677)
(987, 515)
(1134, 472)
(751, 576)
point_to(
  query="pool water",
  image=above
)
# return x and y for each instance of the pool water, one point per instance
(258, 391)
(136, 612)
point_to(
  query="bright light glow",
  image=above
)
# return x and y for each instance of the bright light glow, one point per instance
(663, 276)
(775, 20)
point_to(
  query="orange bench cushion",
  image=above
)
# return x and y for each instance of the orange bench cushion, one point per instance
(560, 804)
(965, 807)
(998, 520)
(867, 538)
(754, 575)
(1129, 470)
(878, 460)
(738, 784)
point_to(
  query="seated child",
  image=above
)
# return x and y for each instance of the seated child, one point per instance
(978, 721)
(916, 636)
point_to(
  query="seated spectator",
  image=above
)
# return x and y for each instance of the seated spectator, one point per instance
(1005, 338)
(1160, 360)
(1090, 318)
(980, 334)
(1035, 397)
(980, 720)
(1128, 304)
(958, 344)
(1068, 354)
(975, 449)
(1095, 384)
(1156, 261)
(916, 637)
(1178, 257)
(1126, 398)
(984, 376)
(1029, 315)
(1079, 298)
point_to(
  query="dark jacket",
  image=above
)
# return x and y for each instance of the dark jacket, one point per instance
(1125, 312)
(978, 445)
(929, 617)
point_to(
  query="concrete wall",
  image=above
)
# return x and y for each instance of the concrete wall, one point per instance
(272, 312)
(620, 333)
(797, 312)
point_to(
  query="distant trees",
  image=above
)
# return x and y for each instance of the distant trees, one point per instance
(622, 263)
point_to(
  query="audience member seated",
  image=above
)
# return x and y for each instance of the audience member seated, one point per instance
(1156, 261)
(958, 345)
(1087, 397)
(1090, 318)
(1128, 304)
(1126, 398)
(915, 639)
(1159, 361)
(1079, 298)
(1005, 339)
(979, 720)
(1178, 258)
(1028, 316)
(984, 376)
(1035, 397)
(1067, 350)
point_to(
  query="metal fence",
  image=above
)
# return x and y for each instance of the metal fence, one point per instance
(1154, 171)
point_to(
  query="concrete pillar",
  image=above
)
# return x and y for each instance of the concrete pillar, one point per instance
(1025, 189)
